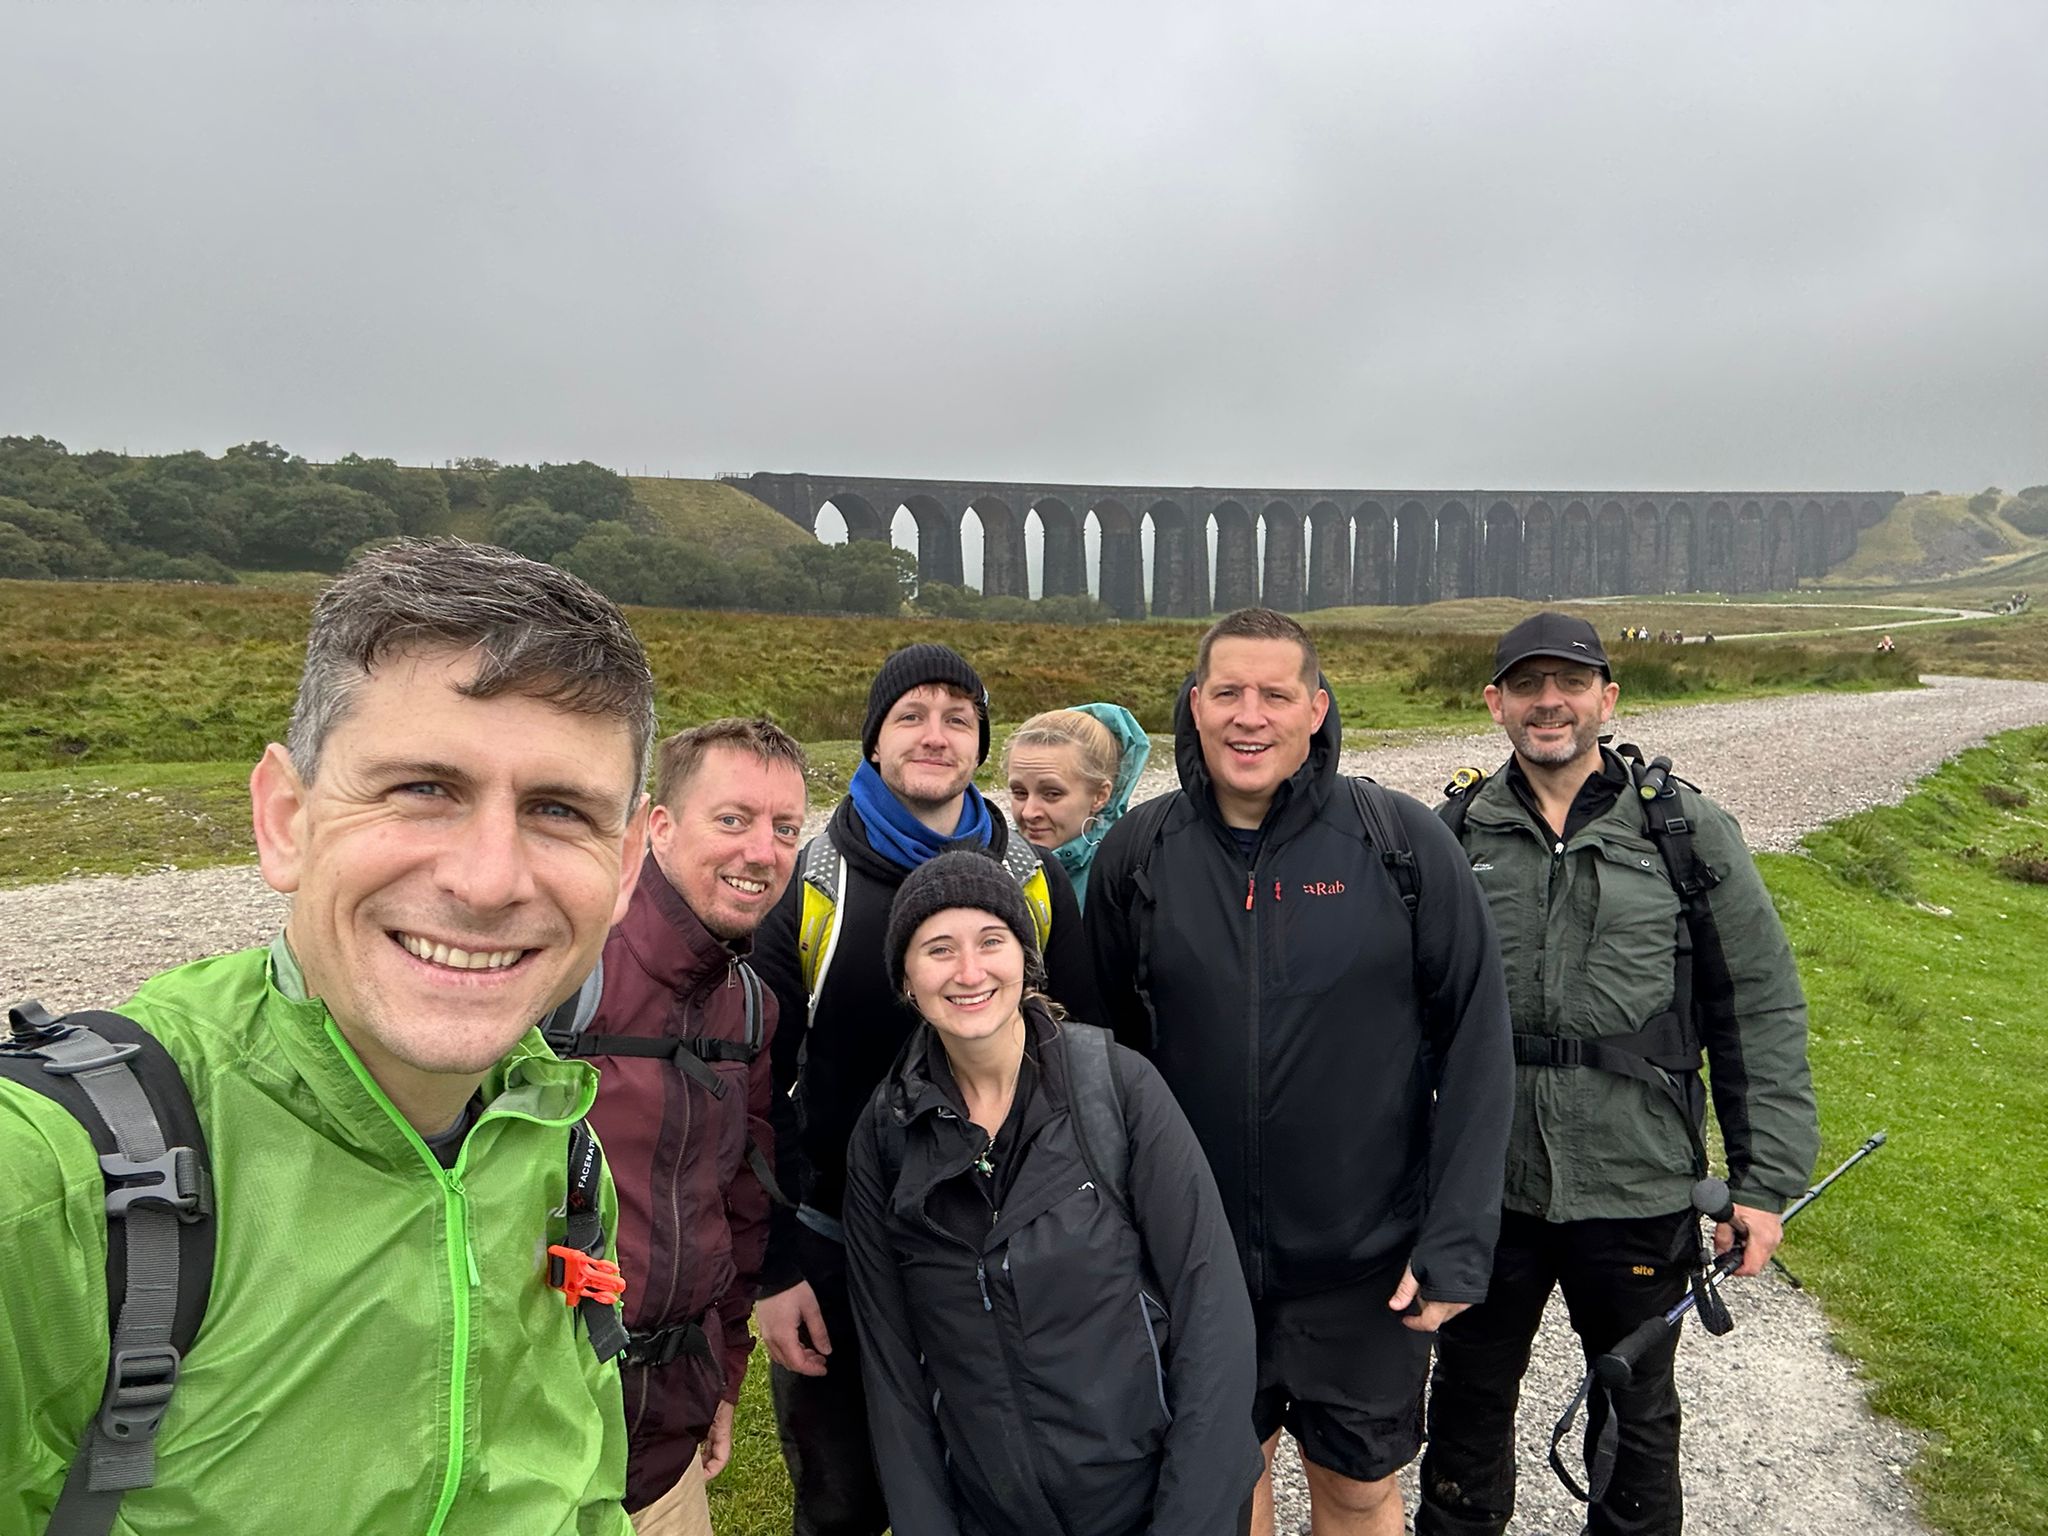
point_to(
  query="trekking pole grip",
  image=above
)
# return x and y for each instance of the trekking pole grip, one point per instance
(1617, 1368)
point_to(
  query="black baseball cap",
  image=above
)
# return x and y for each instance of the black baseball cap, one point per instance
(1550, 634)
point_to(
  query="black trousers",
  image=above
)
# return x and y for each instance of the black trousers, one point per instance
(823, 1420)
(1614, 1274)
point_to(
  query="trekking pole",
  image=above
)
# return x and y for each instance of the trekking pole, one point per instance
(1616, 1368)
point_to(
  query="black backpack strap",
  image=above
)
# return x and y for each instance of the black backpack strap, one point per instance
(1465, 784)
(117, 1080)
(574, 1016)
(1383, 830)
(757, 1025)
(1095, 1099)
(577, 1266)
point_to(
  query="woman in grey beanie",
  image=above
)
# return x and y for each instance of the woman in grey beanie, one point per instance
(1055, 1328)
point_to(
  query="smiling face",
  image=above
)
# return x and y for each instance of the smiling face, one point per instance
(964, 971)
(728, 843)
(454, 867)
(1552, 711)
(1051, 798)
(927, 751)
(1256, 715)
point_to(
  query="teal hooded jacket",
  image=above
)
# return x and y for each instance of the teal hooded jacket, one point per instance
(381, 1351)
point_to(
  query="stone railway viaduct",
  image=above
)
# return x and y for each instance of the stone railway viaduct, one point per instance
(1328, 548)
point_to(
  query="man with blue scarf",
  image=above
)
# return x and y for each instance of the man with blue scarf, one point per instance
(913, 796)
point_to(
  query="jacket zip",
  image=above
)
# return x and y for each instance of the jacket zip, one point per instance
(1254, 1187)
(462, 1275)
(1002, 1338)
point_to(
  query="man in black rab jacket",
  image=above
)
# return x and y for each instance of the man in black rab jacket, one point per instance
(912, 797)
(1345, 1065)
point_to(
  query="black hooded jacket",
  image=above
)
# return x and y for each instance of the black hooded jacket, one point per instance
(835, 1062)
(1052, 1367)
(1349, 1072)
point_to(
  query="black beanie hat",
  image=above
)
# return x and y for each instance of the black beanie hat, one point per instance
(913, 667)
(966, 877)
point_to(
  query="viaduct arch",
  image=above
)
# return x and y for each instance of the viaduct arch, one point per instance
(1304, 549)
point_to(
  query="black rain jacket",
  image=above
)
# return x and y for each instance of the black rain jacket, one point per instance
(1349, 1072)
(1055, 1368)
(824, 1071)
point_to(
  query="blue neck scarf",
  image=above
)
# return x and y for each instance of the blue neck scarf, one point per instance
(899, 836)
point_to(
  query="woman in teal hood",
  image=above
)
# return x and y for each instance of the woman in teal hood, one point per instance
(1071, 773)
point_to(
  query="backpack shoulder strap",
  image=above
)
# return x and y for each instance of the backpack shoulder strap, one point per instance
(757, 1027)
(120, 1083)
(821, 876)
(578, 1266)
(1095, 1099)
(1458, 794)
(1028, 870)
(1669, 828)
(1148, 819)
(565, 1026)
(1383, 830)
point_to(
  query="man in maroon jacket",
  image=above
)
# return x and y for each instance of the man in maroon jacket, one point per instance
(680, 1038)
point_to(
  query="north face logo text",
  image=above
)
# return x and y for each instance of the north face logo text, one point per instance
(1323, 888)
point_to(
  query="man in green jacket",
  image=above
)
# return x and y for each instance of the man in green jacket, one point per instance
(1606, 1141)
(458, 818)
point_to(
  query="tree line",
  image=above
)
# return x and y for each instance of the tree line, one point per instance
(257, 507)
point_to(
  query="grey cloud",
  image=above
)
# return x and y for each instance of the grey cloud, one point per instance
(1491, 244)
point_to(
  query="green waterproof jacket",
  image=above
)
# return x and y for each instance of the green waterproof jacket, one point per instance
(1589, 934)
(381, 1353)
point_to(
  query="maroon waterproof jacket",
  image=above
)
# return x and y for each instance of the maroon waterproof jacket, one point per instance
(693, 1218)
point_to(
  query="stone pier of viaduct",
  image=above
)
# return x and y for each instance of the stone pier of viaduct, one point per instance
(1326, 548)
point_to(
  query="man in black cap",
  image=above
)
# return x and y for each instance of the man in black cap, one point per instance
(821, 951)
(1638, 940)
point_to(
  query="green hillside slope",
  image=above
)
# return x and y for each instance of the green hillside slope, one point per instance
(718, 516)
(1929, 538)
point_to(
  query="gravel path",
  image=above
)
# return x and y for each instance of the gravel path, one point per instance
(1781, 1437)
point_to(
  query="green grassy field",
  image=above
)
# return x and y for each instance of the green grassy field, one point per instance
(1921, 963)
(94, 674)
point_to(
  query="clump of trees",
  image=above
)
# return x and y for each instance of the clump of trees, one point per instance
(191, 517)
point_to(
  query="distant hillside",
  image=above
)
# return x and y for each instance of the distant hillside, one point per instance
(719, 517)
(1934, 538)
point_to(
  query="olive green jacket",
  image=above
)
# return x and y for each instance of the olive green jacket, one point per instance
(1589, 933)
(381, 1353)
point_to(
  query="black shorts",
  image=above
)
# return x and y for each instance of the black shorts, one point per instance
(1344, 1376)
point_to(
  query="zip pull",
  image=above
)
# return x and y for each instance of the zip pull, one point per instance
(1251, 883)
(981, 1279)
(1276, 890)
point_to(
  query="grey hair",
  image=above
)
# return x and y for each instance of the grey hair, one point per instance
(538, 631)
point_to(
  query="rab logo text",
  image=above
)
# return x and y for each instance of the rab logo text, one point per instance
(1323, 888)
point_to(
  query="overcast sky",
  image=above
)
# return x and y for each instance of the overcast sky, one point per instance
(1510, 245)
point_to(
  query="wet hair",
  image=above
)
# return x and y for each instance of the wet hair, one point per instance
(1259, 624)
(536, 631)
(1095, 744)
(683, 753)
